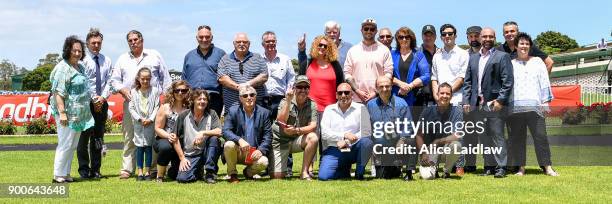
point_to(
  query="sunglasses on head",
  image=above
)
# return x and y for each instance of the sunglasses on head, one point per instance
(445, 34)
(183, 91)
(248, 95)
(385, 36)
(343, 93)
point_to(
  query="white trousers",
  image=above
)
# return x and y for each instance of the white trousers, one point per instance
(67, 142)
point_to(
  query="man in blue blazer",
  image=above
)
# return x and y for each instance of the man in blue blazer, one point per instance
(247, 130)
(486, 91)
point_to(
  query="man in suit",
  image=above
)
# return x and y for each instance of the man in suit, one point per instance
(487, 89)
(247, 130)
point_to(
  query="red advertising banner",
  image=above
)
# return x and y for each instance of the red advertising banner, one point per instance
(20, 108)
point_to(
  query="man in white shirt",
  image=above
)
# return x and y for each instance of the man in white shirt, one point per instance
(449, 65)
(123, 77)
(345, 130)
(98, 69)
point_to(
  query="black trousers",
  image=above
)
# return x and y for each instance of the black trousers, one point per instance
(89, 149)
(518, 123)
(210, 157)
(216, 102)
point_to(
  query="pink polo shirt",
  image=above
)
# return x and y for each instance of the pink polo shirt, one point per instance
(366, 63)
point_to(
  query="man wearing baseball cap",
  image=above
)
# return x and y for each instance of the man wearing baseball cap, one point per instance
(367, 61)
(294, 129)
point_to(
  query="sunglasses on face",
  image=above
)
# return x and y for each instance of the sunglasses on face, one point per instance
(369, 29)
(248, 95)
(241, 68)
(302, 87)
(321, 45)
(403, 37)
(447, 34)
(340, 93)
(385, 36)
(183, 91)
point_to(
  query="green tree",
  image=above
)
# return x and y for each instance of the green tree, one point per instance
(7, 69)
(553, 42)
(51, 58)
(296, 65)
(38, 79)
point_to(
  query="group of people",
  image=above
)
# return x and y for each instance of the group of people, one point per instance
(329, 106)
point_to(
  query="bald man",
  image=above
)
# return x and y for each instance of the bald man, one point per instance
(242, 67)
(345, 132)
(486, 91)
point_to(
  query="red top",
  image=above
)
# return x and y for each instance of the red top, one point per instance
(322, 85)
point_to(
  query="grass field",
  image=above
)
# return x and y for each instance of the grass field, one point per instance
(576, 184)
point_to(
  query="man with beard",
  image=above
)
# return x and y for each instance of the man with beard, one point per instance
(488, 85)
(473, 38)
(367, 61)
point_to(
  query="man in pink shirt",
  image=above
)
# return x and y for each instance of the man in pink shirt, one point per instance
(367, 61)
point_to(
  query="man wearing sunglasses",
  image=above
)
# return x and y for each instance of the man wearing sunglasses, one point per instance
(200, 67)
(345, 135)
(367, 61)
(294, 129)
(248, 134)
(240, 68)
(385, 37)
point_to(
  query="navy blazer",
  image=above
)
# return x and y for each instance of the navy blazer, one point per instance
(234, 127)
(497, 79)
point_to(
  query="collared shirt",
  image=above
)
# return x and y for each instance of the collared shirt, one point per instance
(396, 108)
(534, 51)
(297, 118)
(127, 67)
(449, 67)
(200, 70)
(531, 85)
(280, 75)
(429, 55)
(73, 86)
(253, 65)
(343, 49)
(248, 132)
(106, 70)
(484, 58)
(448, 120)
(365, 64)
(192, 127)
(335, 123)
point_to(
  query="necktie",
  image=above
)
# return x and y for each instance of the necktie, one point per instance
(98, 79)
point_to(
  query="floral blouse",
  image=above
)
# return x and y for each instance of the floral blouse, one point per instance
(73, 86)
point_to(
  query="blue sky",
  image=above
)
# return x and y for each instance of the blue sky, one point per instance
(31, 29)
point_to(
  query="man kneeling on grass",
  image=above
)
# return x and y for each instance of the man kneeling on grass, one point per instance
(248, 135)
(198, 131)
(442, 113)
(294, 129)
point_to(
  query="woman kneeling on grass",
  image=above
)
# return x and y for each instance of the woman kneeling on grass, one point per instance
(69, 93)
(176, 101)
(143, 108)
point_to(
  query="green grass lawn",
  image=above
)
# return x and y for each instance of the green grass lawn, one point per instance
(576, 184)
(109, 138)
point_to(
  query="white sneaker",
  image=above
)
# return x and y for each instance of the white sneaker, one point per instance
(373, 171)
(104, 150)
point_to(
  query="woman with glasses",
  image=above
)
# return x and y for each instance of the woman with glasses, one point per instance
(69, 91)
(176, 101)
(410, 68)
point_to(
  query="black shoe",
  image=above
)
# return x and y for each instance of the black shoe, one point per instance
(85, 177)
(140, 178)
(469, 169)
(500, 173)
(96, 175)
(359, 177)
(408, 176)
(244, 172)
(446, 175)
(487, 172)
(147, 178)
(210, 179)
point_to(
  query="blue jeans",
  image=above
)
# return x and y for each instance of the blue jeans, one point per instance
(337, 165)
(191, 174)
(144, 154)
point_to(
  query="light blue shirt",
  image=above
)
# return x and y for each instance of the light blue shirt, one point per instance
(106, 69)
(343, 49)
(280, 75)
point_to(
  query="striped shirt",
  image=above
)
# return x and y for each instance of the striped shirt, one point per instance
(253, 65)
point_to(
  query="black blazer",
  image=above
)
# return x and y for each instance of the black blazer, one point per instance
(497, 79)
(234, 127)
